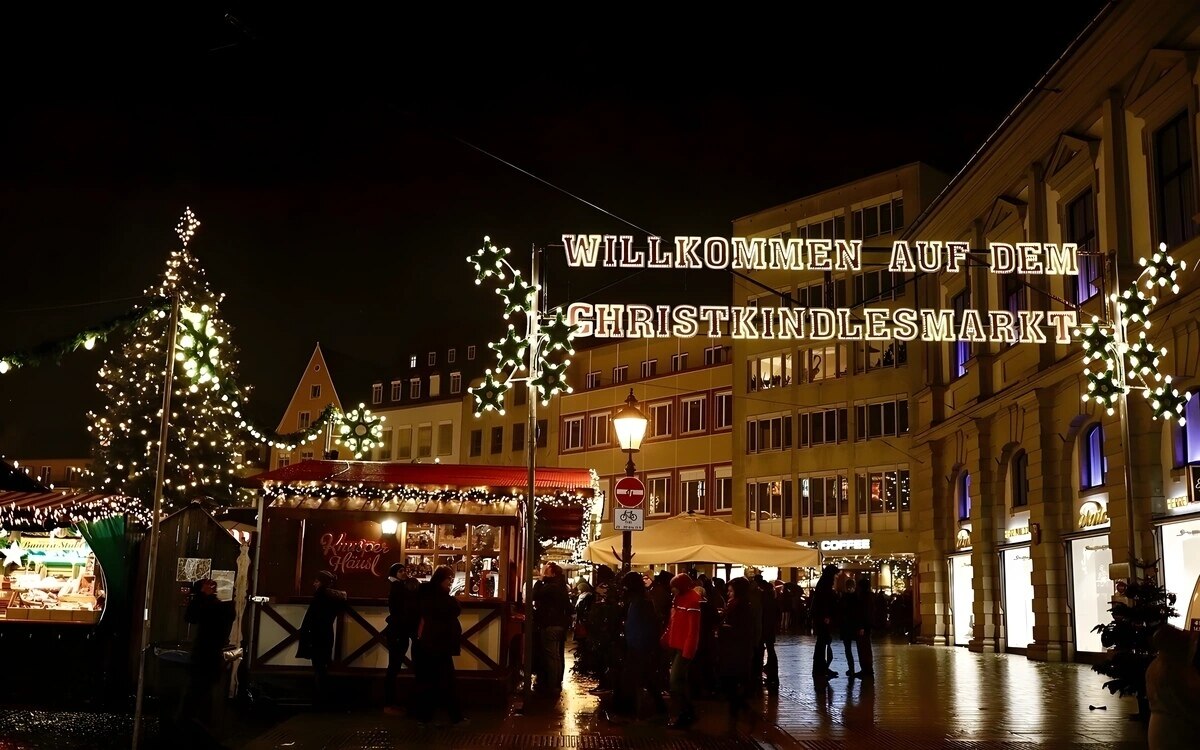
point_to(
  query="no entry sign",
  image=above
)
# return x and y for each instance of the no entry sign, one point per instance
(630, 492)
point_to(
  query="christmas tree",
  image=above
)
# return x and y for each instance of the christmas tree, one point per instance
(204, 445)
(1146, 605)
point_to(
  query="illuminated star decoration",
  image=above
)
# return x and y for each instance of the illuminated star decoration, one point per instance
(1168, 402)
(516, 295)
(488, 260)
(187, 226)
(558, 334)
(489, 396)
(552, 379)
(13, 555)
(198, 348)
(1143, 357)
(1096, 341)
(360, 432)
(510, 351)
(1103, 388)
(1135, 306)
(1162, 269)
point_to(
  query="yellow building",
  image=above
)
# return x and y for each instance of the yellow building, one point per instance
(821, 429)
(59, 473)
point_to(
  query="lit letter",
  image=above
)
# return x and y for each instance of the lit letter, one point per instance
(581, 249)
(972, 326)
(904, 324)
(957, 251)
(611, 256)
(767, 316)
(929, 256)
(746, 253)
(786, 254)
(848, 256)
(1004, 257)
(791, 323)
(630, 256)
(822, 324)
(1003, 325)
(662, 323)
(937, 325)
(582, 315)
(1064, 321)
(1031, 322)
(716, 254)
(1029, 257)
(685, 253)
(848, 330)
(901, 261)
(742, 323)
(714, 315)
(1064, 261)
(877, 318)
(610, 321)
(685, 326)
(641, 319)
(818, 255)
(658, 258)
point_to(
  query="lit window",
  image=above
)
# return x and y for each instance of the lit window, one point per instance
(1093, 466)
(769, 371)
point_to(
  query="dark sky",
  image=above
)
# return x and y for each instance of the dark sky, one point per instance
(324, 154)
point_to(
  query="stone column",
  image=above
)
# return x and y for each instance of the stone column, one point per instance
(1049, 496)
(987, 490)
(1145, 445)
(930, 508)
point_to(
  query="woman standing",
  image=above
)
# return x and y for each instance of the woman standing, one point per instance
(737, 649)
(438, 634)
(316, 631)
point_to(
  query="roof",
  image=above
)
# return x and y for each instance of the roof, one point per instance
(26, 510)
(15, 480)
(440, 476)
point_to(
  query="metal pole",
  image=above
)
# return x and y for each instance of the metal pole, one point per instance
(1123, 415)
(164, 426)
(531, 495)
(627, 536)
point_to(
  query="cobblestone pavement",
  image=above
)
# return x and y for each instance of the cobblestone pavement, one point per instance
(922, 697)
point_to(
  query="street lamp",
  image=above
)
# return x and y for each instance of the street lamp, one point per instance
(630, 425)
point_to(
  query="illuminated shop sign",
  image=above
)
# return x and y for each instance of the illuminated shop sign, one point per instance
(963, 539)
(1092, 513)
(1018, 531)
(816, 324)
(837, 545)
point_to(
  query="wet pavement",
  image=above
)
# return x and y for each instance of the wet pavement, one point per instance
(922, 697)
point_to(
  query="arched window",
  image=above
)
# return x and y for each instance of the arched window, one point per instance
(1187, 435)
(1092, 463)
(1020, 480)
(964, 496)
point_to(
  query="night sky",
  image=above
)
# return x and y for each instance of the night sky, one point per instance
(327, 157)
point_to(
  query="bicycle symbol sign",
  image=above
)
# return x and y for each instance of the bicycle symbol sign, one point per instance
(629, 519)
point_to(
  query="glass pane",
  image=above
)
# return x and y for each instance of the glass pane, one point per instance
(885, 218)
(418, 536)
(452, 537)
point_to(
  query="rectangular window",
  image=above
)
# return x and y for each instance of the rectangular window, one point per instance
(649, 368)
(445, 439)
(435, 385)
(769, 371)
(431, 360)
(679, 362)
(284, 460)
(883, 218)
(1081, 229)
(882, 491)
(960, 351)
(497, 444)
(425, 441)
(691, 491)
(823, 427)
(451, 355)
(769, 500)
(455, 382)
(414, 388)
(658, 495)
(470, 352)
(520, 393)
(1175, 200)
(723, 411)
(518, 436)
(877, 285)
(412, 361)
(620, 374)
(823, 362)
(877, 355)
(542, 429)
(396, 386)
(476, 442)
(692, 415)
(593, 380)
(404, 443)
(1015, 295)
(308, 455)
(572, 433)
(824, 496)
(377, 393)
(716, 355)
(598, 430)
(660, 419)
(302, 420)
(723, 489)
(314, 391)
(384, 451)
(881, 419)
(44, 475)
(768, 434)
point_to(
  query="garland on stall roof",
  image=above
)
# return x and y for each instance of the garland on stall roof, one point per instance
(52, 352)
(15, 518)
(401, 494)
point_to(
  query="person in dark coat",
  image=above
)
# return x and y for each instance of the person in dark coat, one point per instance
(850, 622)
(404, 612)
(316, 631)
(212, 619)
(867, 609)
(737, 651)
(552, 616)
(642, 651)
(438, 637)
(822, 607)
(769, 630)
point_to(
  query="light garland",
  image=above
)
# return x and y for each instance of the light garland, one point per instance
(1126, 362)
(407, 493)
(53, 352)
(72, 513)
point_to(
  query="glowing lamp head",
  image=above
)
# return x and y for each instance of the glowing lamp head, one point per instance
(630, 425)
(389, 526)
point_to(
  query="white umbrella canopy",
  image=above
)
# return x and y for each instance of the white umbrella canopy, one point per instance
(692, 538)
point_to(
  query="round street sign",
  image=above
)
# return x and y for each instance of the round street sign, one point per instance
(630, 492)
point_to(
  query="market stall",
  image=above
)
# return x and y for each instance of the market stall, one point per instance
(357, 518)
(693, 538)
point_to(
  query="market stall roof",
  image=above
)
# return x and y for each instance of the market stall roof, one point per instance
(396, 474)
(692, 538)
(34, 510)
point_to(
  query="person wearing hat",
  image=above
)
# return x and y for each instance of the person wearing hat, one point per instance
(209, 619)
(316, 631)
(682, 639)
(404, 612)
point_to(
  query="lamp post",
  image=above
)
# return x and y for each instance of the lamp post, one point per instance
(630, 425)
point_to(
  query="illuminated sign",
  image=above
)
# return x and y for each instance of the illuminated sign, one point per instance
(1016, 532)
(1092, 513)
(344, 554)
(1174, 503)
(836, 545)
(963, 540)
(818, 323)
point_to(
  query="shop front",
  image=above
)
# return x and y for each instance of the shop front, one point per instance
(51, 577)
(1016, 566)
(1088, 559)
(356, 519)
(1178, 533)
(962, 591)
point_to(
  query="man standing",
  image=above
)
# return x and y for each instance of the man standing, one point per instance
(403, 614)
(682, 638)
(552, 615)
(212, 619)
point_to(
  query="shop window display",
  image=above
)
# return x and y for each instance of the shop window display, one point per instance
(50, 577)
(1181, 564)
(471, 550)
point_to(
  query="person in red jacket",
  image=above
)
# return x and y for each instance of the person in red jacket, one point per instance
(682, 638)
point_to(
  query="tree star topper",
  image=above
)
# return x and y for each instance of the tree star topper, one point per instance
(558, 334)
(360, 432)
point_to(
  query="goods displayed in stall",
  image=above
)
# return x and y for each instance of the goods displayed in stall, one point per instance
(50, 577)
